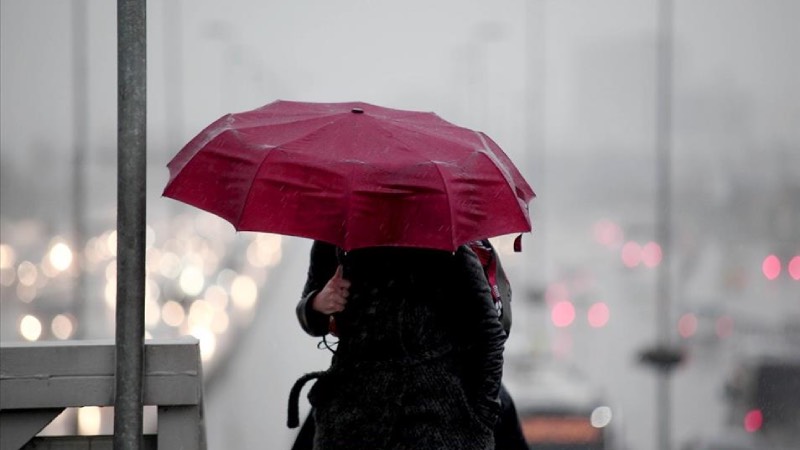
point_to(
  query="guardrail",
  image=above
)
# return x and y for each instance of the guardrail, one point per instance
(39, 380)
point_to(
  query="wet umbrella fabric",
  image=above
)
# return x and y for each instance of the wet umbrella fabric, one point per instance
(352, 174)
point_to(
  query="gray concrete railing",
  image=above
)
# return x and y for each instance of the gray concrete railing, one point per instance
(39, 380)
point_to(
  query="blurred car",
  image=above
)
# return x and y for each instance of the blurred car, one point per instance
(728, 439)
(559, 409)
(763, 394)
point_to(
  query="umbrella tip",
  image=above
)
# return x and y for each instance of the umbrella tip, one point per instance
(357, 111)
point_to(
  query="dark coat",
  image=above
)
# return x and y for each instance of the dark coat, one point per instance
(500, 279)
(419, 359)
(317, 324)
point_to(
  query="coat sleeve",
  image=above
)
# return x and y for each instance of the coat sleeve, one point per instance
(505, 294)
(322, 266)
(485, 335)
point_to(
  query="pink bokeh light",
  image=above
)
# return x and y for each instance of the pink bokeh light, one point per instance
(631, 254)
(598, 315)
(771, 267)
(563, 314)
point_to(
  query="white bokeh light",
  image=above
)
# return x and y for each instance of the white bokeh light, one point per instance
(30, 328)
(244, 292)
(7, 256)
(601, 417)
(60, 256)
(89, 420)
(208, 342)
(62, 327)
(172, 313)
(191, 281)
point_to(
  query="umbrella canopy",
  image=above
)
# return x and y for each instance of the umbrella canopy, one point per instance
(352, 174)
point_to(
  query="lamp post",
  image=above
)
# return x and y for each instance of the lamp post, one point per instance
(664, 356)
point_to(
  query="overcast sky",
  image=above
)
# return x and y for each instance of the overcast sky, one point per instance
(458, 58)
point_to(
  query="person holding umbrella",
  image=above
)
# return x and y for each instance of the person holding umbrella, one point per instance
(316, 310)
(419, 359)
(392, 196)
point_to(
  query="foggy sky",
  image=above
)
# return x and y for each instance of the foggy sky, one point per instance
(452, 57)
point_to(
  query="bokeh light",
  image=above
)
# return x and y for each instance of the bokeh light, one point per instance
(191, 281)
(771, 267)
(201, 314)
(607, 233)
(753, 420)
(152, 313)
(60, 256)
(217, 297)
(151, 290)
(7, 256)
(794, 268)
(244, 292)
(563, 314)
(264, 250)
(651, 254)
(169, 265)
(62, 326)
(30, 328)
(631, 254)
(208, 342)
(27, 273)
(110, 294)
(111, 243)
(195, 284)
(601, 417)
(687, 325)
(598, 315)
(172, 313)
(89, 420)
(111, 271)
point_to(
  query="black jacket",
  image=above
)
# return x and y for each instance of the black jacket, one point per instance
(419, 359)
(316, 324)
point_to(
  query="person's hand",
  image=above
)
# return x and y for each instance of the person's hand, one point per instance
(333, 297)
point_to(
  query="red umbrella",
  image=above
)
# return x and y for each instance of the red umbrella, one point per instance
(352, 174)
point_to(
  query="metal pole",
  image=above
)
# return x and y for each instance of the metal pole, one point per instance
(663, 213)
(131, 213)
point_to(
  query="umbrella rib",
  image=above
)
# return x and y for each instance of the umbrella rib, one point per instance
(422, 129)
(272, 150)
(449, 203)
(500, 168)
(252, 181)
(441, 176)
(295, 120)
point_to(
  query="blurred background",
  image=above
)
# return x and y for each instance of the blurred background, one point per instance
(590, 99)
